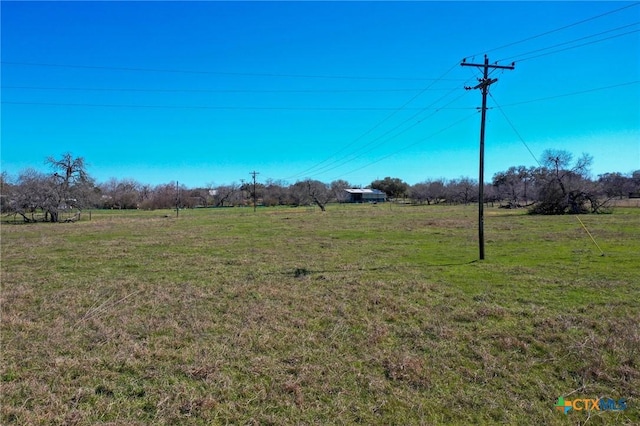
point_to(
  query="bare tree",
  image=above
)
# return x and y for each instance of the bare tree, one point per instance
(39, 196)
(338, 190)
(197, 197)
(299, 194)
(319, 193)
(565, 187)
(35, 197)
(275, 193)
(462, 190)
(430, 191)
(490, 194)
(225, 194)
(513, 184)
(437, 190)
(71, 184)
(616, 184)
(121, 194)
(163, 196)
(73, 169)
(635, 183)
(420, 193)
(6, 192)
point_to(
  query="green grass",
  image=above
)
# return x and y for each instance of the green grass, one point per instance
(371, 314)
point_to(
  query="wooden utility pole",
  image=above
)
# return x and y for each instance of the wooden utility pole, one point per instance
(177, 199)
(242, 188)
(483, 85)
(254, 173)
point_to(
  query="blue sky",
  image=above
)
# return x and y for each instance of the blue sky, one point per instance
(207, 92)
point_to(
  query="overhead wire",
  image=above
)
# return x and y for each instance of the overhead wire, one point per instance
(235, 74)
(564, 27)
(370, 130)
(512, 58)
(514, 129)
(404, 107)
(351, 158)
(346, 160)
(578, 45)
(211, 107)
(531, 55)
(580, 92)
(410, 145)
(395, 109)
(118, 89)
(556, 51)
(510, 123)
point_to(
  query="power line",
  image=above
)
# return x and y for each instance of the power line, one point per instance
(403, 106)
(419, 109)
(573, 93)
(116, 89)
(210, 107)
(236, 74)
(515, 130)
(578, 45)
(410, 145)
(511, 58)
(353, 156)
(557, 29)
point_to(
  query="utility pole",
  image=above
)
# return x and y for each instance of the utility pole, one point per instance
(177, 199)
(254, 173)
(483, 85)
(242, 188)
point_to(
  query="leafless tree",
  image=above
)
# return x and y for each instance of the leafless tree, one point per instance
(565, 187)
(616, 184)
(225, 194)
(6, 192)
(419, 193)
(463, 190)
(163, 196)
(513, 185)
(319, 193)
(121, 194)
(338, 192)
(71, 184)
(275, 193)
(72, 170)
(35, 197)
(68, 188)
(430, 191)
(299, 194)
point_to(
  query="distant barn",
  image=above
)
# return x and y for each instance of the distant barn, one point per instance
(367, 195)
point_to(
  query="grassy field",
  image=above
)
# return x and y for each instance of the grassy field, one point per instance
(371, 314)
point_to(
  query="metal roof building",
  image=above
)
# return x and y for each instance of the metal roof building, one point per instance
(366, 195)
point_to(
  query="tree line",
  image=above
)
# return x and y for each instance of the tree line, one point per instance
(558, 185)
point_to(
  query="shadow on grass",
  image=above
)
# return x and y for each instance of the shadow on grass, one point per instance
(301, 272)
